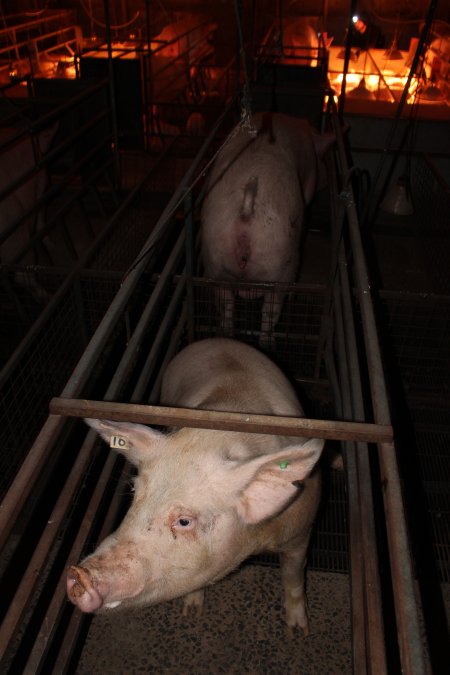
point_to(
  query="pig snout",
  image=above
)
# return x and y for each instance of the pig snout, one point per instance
(105, 581)
(82, 591)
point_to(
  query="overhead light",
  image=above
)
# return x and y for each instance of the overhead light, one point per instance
(361, 91)
(398, 198)
(393, 54)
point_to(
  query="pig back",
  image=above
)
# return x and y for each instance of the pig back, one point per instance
(227, 375)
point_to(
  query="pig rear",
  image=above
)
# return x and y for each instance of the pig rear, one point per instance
(204, 500)
(253, 213)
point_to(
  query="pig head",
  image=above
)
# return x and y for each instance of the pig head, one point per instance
(204, 500)
(253, 213)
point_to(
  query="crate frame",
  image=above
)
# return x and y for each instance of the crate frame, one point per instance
(339, 346)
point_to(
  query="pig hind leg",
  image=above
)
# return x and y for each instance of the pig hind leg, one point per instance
(225, 306)
(270, 315)
(292, 564)
(193, 603)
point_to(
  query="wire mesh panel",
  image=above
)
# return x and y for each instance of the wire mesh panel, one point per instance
(45, 366)
(293, 338)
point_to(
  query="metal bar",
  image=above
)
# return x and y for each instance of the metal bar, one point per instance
(77, 618)
(228, 421)
(134, 343)
(17, 495)
(407, 614)
(42, 447)
(373, 618)
(41, 645)
(189, 220)
(53, 221)
(170, 353)
(59, 600)
(44, 639)
(358, 604)
(50, 193)
(47, 119)
(169, 315)
(28, 581)
(368, 625)
(112, 94)
(19, 27)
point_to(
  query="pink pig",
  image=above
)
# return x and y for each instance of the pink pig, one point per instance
(205, 499)
(253, 212)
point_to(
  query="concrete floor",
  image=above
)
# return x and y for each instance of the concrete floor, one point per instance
(242, 630)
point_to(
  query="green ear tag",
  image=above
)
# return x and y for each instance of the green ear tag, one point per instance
(284, 464)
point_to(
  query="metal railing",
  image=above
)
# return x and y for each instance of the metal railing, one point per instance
(67, 533)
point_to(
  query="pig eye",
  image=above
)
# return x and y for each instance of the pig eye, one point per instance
(184, 523)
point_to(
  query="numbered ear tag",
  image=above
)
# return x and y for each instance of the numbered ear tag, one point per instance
(119, 443)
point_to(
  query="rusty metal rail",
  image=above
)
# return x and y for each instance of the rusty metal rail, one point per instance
(369, 649)
(226, 421)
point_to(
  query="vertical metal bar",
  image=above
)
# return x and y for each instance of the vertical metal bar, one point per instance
(406, 609)
(148, 367)
(347, 57)
(149, 80)
(369, 654)
(112, 94)
(189, 224)
(359, 643)
(141, 329)
(376, 651)
(80, 311)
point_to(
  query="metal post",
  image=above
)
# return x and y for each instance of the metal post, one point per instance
(112, 95)
(189, 221)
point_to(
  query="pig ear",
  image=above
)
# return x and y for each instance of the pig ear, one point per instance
(274, 480)
(135, 441)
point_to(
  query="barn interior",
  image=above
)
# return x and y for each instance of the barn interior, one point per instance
(111, 114)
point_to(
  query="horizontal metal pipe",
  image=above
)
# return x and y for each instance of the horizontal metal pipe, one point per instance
(228, 421)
